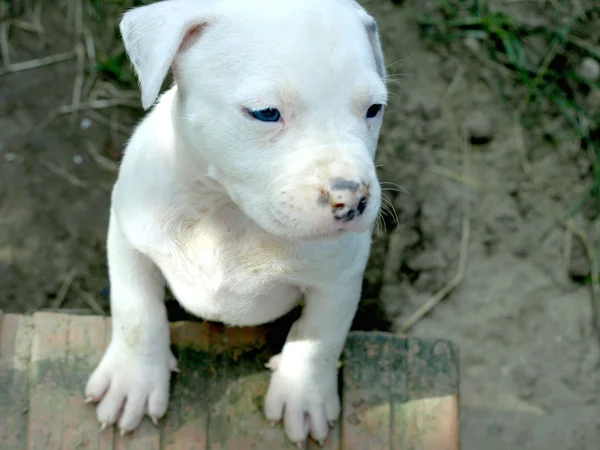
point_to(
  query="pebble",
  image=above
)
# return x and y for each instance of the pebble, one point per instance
(85, 124)
(478, 127)
(77, 159)
(472, 44)
(10, 157)
(589, 69)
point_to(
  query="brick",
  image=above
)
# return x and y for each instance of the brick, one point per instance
(431, 411)
(239, 384)
(398, 393)
(333, 441)
(431, 424)
(401, 423)
(15, 349)
(86, 343)
(185, 426)
(47, 399)
(366, 409)
(145, 437)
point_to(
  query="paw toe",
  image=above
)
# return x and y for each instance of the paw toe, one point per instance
(295, 422)
(110, 407)
(133, 412)
(318, 423)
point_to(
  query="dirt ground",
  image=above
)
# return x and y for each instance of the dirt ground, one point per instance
(530, 353)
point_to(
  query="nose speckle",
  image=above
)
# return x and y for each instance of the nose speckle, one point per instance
(347, 199)
(341, 184)
(351, 215)
(362, 205)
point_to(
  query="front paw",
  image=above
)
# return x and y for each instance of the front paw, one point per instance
(307, 402)
(127, 386)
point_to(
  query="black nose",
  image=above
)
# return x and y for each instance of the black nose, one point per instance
(362, 205)
(354, 212)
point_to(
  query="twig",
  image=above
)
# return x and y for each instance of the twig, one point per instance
(4, 47)
(99, 104)
(591, 254)
(89, 299)
(102, 161)
(37, 12)
(78, 13)
(90, 47)
(94, 104)
(109, 123)
(114, 92)
(522, 149)
(454, 176)
(567, 252)
(456, 79)
(462, 261)
(74, 311)
(78, 85)
(539, 75)
(28, 26)
(584, 45)
(466, 220)
(36, 63)
(63, 173)
(64, 288)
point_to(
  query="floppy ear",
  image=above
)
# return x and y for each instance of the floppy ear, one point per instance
(153, 34)
(372, 31)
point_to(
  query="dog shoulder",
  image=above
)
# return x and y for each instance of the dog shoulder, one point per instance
(142, 197)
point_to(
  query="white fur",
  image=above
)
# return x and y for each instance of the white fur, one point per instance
(228, 210)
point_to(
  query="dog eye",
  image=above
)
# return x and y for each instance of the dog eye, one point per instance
(266, 115)
(373, 110)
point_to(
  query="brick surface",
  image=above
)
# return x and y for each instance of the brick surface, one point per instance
(47, 400)
(240, 382)
(431, 413)
(185, 426)
(397, 393)
(86, 340)
(366, 410)
(15, 352)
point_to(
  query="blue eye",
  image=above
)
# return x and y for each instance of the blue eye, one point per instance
(266, 115)
(373, 110)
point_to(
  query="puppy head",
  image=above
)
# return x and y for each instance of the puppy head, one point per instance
(283, 100)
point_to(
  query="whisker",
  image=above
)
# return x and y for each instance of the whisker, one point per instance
(386, 200)
(403, 191)
(379, 223)
(394, 185)
(386, 209)
(398, 61)
(398, 75)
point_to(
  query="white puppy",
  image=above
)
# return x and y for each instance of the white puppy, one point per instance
(250, 184)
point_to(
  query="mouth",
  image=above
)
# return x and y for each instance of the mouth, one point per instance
(327, 233)
(332, 234)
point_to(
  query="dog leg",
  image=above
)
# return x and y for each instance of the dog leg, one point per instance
(304, 385)
(132, 378)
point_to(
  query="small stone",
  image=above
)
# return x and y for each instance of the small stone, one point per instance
(77, 159)
(579, 267)
(589, 69)
(478, 127)
(472, 44)
(10, 157)
(85, 124)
